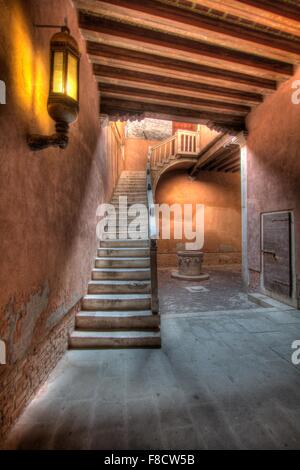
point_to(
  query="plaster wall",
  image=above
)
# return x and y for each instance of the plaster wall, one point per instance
(48, 199)
(220, 194)
(136, 153)
(273, 169)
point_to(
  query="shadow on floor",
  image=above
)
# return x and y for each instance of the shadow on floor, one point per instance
(222, 380)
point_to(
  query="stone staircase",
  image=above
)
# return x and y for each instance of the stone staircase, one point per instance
(116, 313)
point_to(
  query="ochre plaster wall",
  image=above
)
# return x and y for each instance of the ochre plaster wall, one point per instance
(136, 153)
(220, 194)
(273, 168)
(48, 201)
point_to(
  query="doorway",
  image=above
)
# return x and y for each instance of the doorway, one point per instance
(277, 252)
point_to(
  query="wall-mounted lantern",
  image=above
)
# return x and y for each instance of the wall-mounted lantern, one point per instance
(63, 101)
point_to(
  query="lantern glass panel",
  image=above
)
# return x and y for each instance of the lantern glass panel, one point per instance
(72, 77)
(58, 72)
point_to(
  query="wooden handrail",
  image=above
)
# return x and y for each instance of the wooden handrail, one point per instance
(153, 242)
(181, 144)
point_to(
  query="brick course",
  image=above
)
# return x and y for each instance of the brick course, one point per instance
(21, 381)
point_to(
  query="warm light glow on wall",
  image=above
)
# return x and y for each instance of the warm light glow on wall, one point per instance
(22, 59)
(29, 71)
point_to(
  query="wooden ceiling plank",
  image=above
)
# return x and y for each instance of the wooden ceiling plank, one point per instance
(228, 165)
(166, 102)
(106, 89)
(220, 158)
(117, 109)
(255, 14)
(156, 38)
(105, 54)
(196, 25)
(168, 88)
(164, 51)
(137, 106)
(209, 152)
(162, 81)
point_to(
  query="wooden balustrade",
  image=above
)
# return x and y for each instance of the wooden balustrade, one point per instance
(181, 144)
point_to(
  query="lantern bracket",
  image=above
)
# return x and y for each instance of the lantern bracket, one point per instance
(64, 28)
(59, 140)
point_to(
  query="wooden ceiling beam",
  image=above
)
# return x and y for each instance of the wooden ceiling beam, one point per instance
(178, 68)
(248, 11)
(123, 91)
(179, 104)
(223, 55)
(155, 86)
(234, 169)
(202, 25)
(208, 154)
(229, 164)
(120, 107)
(165, 82)
(283, 9)
(220, 157)
(147, 107)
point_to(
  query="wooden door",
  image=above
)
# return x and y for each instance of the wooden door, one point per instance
(277, 253)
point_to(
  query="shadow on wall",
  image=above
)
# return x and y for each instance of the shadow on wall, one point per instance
(48, 199)
(273, 167)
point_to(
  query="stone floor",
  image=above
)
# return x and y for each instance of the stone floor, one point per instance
(223, 291)
(222, 380)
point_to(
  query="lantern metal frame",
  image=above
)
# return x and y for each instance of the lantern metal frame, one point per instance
(62, 108)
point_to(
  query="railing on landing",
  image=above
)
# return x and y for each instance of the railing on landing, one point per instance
(153, 243)
(183, 145)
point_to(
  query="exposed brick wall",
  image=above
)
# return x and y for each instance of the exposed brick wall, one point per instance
(21, 380)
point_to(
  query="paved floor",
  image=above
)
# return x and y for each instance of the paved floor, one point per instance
(223, 380)
(223, 291)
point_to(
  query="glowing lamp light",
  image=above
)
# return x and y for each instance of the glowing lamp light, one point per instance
(63, 101)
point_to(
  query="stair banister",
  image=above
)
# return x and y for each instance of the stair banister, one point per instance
(153, 241)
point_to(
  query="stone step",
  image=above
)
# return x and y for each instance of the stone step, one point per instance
(132, 184)
(132, 191)
(110, 320)
(138, 184)
(122, 262)
(123, 235)
(130, 202)
(116, 302)
(123, 252)
(124, 208)
(142, 232)
(119, 287)
(123, 220)
(129, 192)
(125, 244)
(129, 274)
(114, 339)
